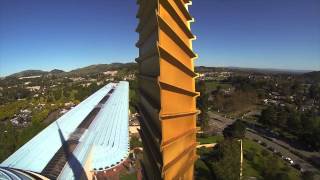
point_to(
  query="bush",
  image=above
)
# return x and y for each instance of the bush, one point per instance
(226, 160)
(265, 152)
(235, 130)
(278, 154)
(202, 135)
(308, 175)
(135, 142)
(249, 155)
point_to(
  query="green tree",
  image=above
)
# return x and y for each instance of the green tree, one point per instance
(236, 130)
(135, 142)
(268, 117)
(225, 161)
(308, 175)
(314, 91)
(202, 104)
(282, 118)
(57, 94)
(271, 167)
(294, 121)
(133, 102)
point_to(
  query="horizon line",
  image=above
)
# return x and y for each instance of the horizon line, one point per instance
(208, 66)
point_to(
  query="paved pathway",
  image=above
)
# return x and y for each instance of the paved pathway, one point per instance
(207, 145)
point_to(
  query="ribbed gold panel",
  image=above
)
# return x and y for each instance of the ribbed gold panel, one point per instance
(167, 89)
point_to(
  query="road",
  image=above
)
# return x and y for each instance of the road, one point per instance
(220, 122)
(292, 146)
(286, 153)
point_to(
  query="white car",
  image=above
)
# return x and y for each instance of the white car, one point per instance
(289, 160)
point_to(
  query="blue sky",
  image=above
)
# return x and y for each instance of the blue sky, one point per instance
(67, 34)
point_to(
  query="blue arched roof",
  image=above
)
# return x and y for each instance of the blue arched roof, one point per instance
(106, 138)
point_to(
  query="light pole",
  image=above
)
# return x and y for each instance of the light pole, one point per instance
(241, 157)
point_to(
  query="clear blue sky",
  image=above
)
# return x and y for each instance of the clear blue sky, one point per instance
(67, 34)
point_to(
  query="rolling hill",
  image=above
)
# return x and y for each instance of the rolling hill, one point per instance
(92, 69)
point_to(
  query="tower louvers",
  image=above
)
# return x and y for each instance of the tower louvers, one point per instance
(167, 97)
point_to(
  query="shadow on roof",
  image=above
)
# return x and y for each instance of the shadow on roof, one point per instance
(75, 165)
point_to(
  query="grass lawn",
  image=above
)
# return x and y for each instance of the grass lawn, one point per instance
(210, 139)
(248, 168)
(256, 160)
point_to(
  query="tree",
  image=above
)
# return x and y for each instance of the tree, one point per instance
(281, 176)
(236, 130)
(133, 96)
(81, 94)
(202, 104)
(135, 142)
(282, 118)
(218, 89)
(271, 167)
(308, 122)
(225, 160)
(57, 94)
(307, 175)
(296, 87)
(67, 92)
(268, 117)
(314, 91)
(202, 101)
(294, 122)
(317, 138)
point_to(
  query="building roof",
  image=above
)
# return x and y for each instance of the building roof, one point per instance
(106, 141)
(16, 174)
(9, 174)
(36, 154)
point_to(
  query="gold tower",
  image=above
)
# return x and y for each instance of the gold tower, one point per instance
(167, 97)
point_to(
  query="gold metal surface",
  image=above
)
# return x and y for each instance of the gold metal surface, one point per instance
(167, 97)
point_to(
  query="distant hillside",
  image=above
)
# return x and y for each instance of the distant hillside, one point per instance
(252, 70)
(314, 76)
(56, 71)
(35, 73)
(28, 73)
(206, 69)
(98, 68)
(92, 69)
(269, 70)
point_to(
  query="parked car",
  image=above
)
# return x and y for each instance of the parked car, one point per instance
(289, 160)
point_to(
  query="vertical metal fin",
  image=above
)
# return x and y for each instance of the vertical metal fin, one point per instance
(167, 89)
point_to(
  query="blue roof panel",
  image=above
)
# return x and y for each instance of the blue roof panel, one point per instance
(107, 138)
(36, 153)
